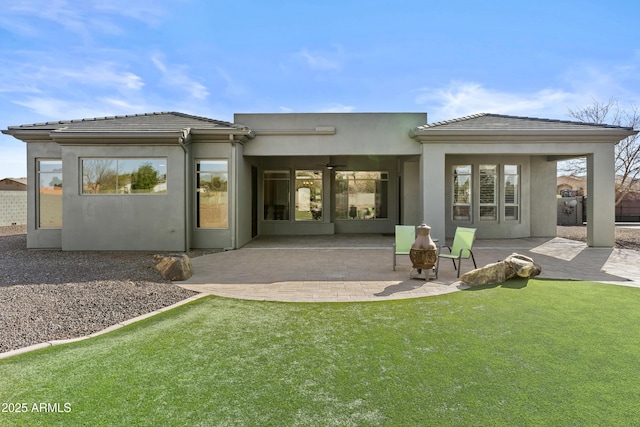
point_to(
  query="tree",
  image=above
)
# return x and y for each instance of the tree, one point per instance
(627, 151)
(99, 176)
(145, 178)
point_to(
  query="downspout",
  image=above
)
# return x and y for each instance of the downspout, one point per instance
(184, 140)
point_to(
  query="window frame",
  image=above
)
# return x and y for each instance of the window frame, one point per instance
(316, 184)
(477, 203)
(455, 202)
(489, 206)
(39, 194)
(379, 209)
(198, 191)
(272, 209)
(143, 160)
(516, 192)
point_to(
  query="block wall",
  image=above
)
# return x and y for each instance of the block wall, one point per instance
(13, 208)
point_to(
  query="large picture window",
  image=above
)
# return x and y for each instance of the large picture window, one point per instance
(276, 195)
(362, 195)
(308, 195)
(212, 193)
(49, 193)
(124, 176)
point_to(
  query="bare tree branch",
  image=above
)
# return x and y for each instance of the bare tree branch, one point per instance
(627, 151)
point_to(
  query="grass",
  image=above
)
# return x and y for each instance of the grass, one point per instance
(521, 354)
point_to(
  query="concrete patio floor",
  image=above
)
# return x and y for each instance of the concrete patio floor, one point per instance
(359, 268)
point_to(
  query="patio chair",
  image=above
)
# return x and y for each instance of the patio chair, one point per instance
(405, 236)
(461, 248)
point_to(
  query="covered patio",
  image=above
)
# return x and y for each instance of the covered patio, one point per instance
(358, 267)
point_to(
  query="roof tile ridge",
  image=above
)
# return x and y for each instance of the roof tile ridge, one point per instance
(456, 120)
(205, 119)
(86, 119)
(569, 122)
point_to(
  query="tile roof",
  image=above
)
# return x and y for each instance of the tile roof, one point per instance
(159, 121)
(487, 121)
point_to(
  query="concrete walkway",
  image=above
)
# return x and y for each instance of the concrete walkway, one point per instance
(359, 268)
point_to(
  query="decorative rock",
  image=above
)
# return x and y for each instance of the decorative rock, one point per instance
(498, 272)
(174, 267)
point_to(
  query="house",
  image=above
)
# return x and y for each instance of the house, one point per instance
(171, 181)
(13, 184)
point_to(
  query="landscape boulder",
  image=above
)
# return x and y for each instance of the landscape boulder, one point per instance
(174, 267)
(515, 265)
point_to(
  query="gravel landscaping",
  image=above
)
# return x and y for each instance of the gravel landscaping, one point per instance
(51, 295)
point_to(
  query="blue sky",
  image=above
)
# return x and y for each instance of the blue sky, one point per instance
(74, 59)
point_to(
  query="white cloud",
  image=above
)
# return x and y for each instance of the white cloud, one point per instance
(24, 77)
(101, 74)
(575, 88)
(464, 98)
(177, 76)
(81, 18)
(325, 61)
(56, 109)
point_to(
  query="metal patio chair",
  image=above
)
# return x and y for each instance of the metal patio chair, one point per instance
(405, 236)
(461, 248)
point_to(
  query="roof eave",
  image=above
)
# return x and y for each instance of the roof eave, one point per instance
(540, 135)
(72, 137)
(241, 132)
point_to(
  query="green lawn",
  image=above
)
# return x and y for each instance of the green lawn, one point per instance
(554, 353)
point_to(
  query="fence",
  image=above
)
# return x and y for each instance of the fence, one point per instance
(628, 211)
(13, 208)
(570, 210)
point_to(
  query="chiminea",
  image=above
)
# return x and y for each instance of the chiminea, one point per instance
(423, 253)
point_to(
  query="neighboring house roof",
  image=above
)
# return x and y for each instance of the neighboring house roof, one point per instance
(14, 183)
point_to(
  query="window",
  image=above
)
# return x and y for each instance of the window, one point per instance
(308, 195)
(488, 193)
(462, 193)
(498, 193)
(511, 193)
(212, 196)
(49, 203)
(276, 195)
(124, 176)
(362, 195)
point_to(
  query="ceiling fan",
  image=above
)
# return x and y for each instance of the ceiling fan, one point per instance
(332, 166)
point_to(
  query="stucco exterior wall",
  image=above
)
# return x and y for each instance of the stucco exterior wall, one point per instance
(119, 221)
(244, 196)
(355, 133)
(543, 197)
(410, 198)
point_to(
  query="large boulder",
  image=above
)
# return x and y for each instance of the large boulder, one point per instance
(175, 267)
(501, 271)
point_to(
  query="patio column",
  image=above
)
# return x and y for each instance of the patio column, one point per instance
(432, 191)
(601, 197)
